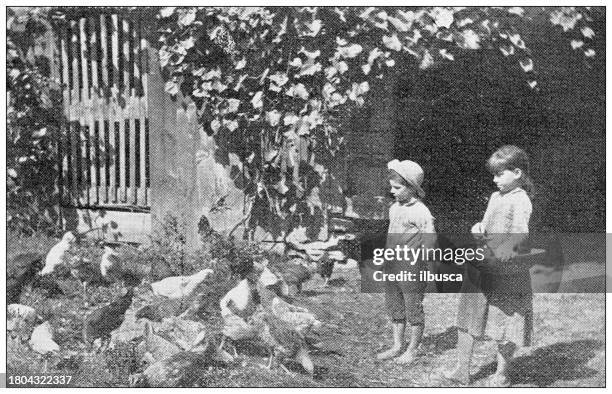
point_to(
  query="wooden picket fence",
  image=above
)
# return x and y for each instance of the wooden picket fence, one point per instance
(104, 68)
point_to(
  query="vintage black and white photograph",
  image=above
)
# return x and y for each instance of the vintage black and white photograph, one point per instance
(305, 196)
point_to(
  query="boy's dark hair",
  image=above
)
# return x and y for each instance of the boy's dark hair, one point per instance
(511, 157)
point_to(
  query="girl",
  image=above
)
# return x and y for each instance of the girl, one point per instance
(493, 283)
(410, 224)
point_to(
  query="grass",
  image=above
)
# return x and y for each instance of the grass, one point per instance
(568, 348)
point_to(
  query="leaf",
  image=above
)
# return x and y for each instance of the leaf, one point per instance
(517, 40)
(342, 67)
(313, 28)
(444, 53)
(273, 117)
(399, 24)
(290, 119)
(310, 69)
(443, 17)
(516, 10)
(366, 14)
(11, 172)
(279, 78)
(587, 32)
(470, 39)
(589, 53)
(212, 74)
(215, 125)
(526, 64)
(427, 61)
(39, 133)
(172, 88)
(187, 17)
(350, 51)
(464, 22)
(392, 42)
(298, 90)
(231, 125)
(309, 54)
(188, 43)
(507, 50)
(281, 186)
(390, 62)
(576, 44)
(532, 84)
(296, 62)
(166, 11)
(256, 101)
(233, 105)
(241, 64)
(567, 22)
(218, 86)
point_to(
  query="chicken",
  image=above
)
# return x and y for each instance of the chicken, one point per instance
(179, 286)
(297, 271)
(21, 270)
(297, 317)
(325, 253)
(42, 342)
(236, 307)
(18, 311)
(101, 322)
(165, 308)
(283, 340)
(183, 369)
(112, 268)
(108, 261)
(87, 272)
(20, 319)
(155, 347)
(56, 255)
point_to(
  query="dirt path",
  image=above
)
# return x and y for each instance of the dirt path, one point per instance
(568, 347)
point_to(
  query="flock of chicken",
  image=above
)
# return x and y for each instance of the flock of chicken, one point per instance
(256, 309)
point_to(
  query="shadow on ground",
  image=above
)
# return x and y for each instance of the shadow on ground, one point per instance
(543, 367)
(441, 342)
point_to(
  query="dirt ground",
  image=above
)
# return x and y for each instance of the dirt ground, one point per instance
(568, 344)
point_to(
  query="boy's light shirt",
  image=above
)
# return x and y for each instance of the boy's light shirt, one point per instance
(506, 220)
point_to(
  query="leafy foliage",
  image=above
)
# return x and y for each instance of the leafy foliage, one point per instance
(277, 81)
(33, 118)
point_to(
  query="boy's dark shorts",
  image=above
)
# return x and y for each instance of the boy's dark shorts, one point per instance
(405, 304)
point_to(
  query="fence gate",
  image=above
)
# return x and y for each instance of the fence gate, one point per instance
(104, 67)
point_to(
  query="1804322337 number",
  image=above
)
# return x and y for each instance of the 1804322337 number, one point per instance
(39, 380)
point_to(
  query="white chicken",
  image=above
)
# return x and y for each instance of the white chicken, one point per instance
(179, 286)
(236, 307)
(18, 316)
(108, 260)
(19, 311)
(42, 342)
(155, 347)
(56, 255)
